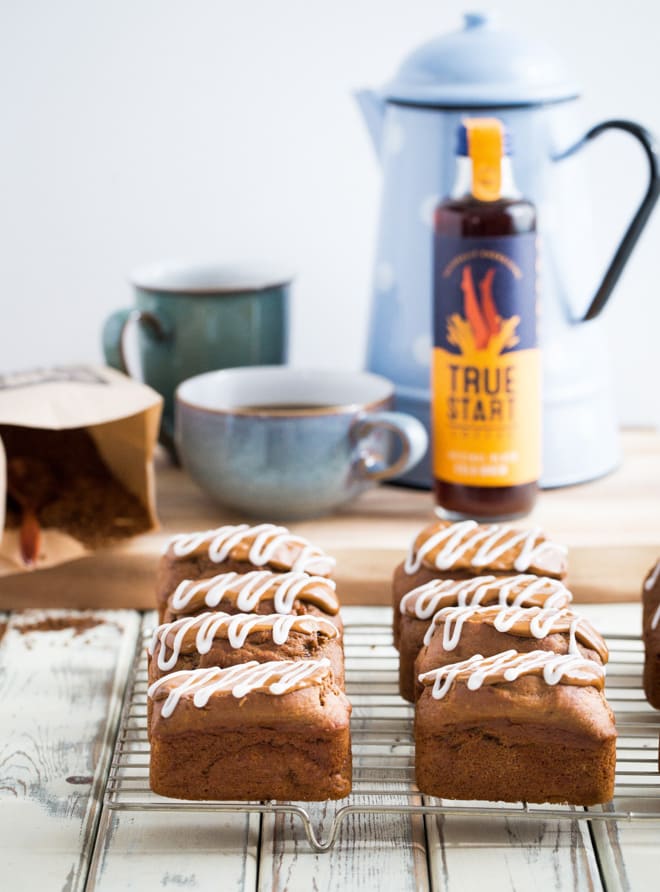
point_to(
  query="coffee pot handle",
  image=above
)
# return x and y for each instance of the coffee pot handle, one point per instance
(641, 216)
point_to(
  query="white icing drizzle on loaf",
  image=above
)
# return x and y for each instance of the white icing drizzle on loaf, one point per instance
(249, 589)
(511, 665)
(235, 628)
(523, 590)
(493, 540)
(276, 677)
(266, 540)
(655, 622)
(539, 621)
(649, 584)
(653, 577)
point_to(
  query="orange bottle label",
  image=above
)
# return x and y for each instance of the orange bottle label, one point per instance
(486, 373)
(485, 138)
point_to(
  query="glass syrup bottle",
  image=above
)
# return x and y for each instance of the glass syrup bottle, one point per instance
(486, 371)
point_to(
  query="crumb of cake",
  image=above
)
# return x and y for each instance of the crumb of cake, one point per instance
(79, 624)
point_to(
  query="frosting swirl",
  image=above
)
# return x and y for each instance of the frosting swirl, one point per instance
(649, 584)
(523, 590)
(528, 622)
(468, 545)
(276, 677)
(655, 620)
(247, 590)
(510, 665)
(652, 578)
(198, 633)
(258, 545)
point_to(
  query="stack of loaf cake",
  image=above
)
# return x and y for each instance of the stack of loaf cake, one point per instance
(246, 698)
(507, 679)
(651, 637)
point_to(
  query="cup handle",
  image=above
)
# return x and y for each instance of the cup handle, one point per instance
(410, 432)
(114, 335)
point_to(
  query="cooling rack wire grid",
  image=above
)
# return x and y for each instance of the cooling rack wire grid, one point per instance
(383, 749)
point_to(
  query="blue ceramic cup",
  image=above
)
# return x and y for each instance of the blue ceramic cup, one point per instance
(194, 317)
(283, 444)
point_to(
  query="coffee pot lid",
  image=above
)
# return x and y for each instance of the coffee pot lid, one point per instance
(483, 66)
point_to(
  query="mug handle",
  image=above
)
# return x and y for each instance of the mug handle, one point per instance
(410, 432)
(114, 334)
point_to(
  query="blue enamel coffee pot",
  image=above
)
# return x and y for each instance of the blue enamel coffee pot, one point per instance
(413, 122)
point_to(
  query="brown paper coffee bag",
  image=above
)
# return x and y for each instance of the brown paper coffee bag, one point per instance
(76, 463)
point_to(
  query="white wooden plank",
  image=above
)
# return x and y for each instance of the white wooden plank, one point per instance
(162, 850)
(155, 849)
(504, 854)
(60, 693)
(371, 851)
(628, 855)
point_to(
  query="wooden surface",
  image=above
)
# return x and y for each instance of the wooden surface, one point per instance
(195, 851)
(511, 854)
(59, 698)
(612, 527)
(60, 694)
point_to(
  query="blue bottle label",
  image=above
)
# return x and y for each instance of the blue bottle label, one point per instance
(486, 364)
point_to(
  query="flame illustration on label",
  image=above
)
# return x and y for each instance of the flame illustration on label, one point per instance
(486, 362)
(482, 330)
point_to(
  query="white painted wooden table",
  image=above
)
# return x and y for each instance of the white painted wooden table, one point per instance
(60, 699)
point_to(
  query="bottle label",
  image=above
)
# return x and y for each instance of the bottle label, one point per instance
(486, 374)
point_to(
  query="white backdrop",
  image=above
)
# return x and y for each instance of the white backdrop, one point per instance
(140, 130)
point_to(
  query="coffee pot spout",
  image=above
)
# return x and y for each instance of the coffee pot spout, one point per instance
(372, 107)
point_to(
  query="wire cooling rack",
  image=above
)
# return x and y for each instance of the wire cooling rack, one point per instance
(383, 749)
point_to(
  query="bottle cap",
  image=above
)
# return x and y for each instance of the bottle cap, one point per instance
(462, 144)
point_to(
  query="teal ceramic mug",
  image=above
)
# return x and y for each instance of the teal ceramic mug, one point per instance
(287, 443)
(196, 317)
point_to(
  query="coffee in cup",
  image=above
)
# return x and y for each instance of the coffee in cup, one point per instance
(285, 443)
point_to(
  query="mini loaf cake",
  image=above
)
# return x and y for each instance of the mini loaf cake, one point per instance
(532, 727)
(651, 635)
(447, 550)
(259, 591)
(277, 730)
(222, 639)
(240, 549)
(457, 633)
(418, 607)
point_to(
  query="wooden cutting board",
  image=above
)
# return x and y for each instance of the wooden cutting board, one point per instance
(612, 528)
